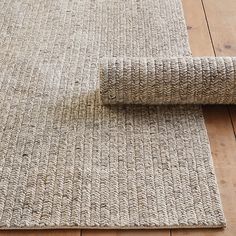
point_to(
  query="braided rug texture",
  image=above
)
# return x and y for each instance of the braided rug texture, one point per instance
(186, 80)
(67, 161)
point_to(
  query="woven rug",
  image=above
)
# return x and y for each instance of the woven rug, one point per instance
(68, 161)
(162, 81)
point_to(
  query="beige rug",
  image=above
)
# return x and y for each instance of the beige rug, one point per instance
(67, 161)
(162, 81)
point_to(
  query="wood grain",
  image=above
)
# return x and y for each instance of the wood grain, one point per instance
(46, 232)
(232, 110)
(125, 232)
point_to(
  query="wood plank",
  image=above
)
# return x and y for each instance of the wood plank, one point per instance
(221, 16)
(232, 110)
(125, 232)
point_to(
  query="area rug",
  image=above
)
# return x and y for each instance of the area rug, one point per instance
(68, 161)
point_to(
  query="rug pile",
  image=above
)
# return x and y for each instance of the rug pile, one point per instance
(68, 161)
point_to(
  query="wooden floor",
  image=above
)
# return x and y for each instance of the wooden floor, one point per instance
(212, 31)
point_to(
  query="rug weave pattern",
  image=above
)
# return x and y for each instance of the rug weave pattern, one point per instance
(65, 160)
(178, 80)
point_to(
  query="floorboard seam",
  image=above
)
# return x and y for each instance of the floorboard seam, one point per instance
(208, 26)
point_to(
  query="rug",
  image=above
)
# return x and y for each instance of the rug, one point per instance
(161, 81)
(68, 161)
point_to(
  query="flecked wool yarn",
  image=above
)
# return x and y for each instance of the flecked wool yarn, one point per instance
(68, 161)
(183, 80)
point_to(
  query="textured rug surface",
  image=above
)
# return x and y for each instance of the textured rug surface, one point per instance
(67, 161)
(176, 80)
